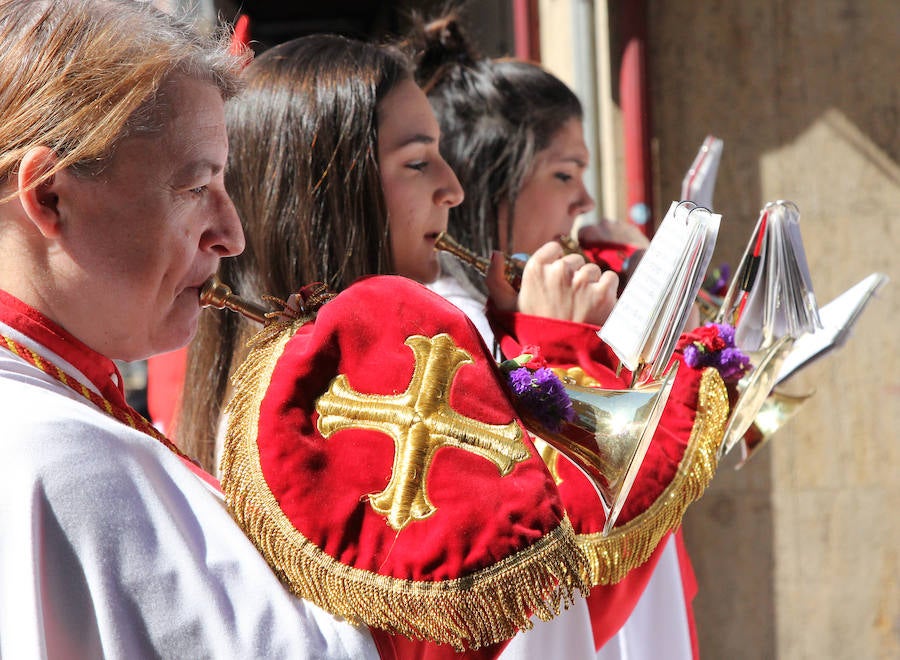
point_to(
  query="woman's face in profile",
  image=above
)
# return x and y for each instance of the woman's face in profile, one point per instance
(419, 187)
(150, 228)
(553, 194)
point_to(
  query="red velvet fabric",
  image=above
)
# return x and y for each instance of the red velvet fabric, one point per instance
(322, 485)
(397, 647)
(607, 254)
(165, 378)
(562, 343)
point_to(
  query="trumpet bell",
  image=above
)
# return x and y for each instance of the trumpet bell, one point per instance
(754, 389)
(609, 436)
(778, 408)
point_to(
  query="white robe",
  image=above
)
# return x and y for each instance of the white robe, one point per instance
(658, 626)
(111, 547)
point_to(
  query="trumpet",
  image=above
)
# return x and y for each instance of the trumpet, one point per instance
(515, 265)
(606, 441)
(777, 409)
(612, 429)
(609, 436)
(513, 268)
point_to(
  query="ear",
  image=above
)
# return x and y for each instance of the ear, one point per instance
(40, 202)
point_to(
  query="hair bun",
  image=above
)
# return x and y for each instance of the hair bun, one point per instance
(439, 44)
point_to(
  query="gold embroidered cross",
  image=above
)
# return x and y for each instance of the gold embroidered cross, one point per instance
(420, 421)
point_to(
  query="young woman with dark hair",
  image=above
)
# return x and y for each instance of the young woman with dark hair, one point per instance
(335, 171)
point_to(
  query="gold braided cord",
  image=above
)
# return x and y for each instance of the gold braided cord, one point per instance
(486, 607)
(135, 421)
(630, 545)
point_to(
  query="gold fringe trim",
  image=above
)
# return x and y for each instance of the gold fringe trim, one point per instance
(484, 608)
(630, 545)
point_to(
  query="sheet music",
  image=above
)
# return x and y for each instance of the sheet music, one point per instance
(748, 328)
(631, 321)
(653, 309)
(700, 180)
(837, 317)
(743, 278)
(807, 303)
(774, 297)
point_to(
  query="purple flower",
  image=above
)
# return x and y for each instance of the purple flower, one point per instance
(712, 345)
(732, 363)
(520, 380)
(543, 395)
(726, 332)
(692, 356)
(722, 273)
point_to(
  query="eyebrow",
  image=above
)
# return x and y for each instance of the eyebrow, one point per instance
(570, 159)
(417, 138)
(199, 167)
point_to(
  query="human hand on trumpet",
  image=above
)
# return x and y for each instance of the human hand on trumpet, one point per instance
(556, 285)
(554, 282)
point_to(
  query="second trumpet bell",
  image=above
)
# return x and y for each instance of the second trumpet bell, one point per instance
(754, 388)
(778, 408)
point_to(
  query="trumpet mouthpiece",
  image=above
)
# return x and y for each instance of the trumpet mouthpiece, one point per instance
(215, 293)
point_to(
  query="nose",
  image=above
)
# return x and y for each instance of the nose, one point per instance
(584, 203)
(450, 192)
(224, 235)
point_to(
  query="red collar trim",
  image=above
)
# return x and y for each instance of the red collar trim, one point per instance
(99, 369)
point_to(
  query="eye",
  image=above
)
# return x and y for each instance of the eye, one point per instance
(418, 166)
(199, 190)
(562, 176)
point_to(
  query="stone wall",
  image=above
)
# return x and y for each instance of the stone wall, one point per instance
(798, 554)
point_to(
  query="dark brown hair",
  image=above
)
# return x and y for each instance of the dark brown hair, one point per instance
(494, 114)
(303, 174)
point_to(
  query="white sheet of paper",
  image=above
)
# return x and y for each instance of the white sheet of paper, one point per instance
(699, 182)
(652, 310)
(838, 318)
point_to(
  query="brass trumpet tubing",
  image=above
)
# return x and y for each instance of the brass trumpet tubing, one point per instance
(776, 411)
(754, 388)
(216, 293)
(512, 272)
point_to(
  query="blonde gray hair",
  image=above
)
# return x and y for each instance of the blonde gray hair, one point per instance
(78, 76)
